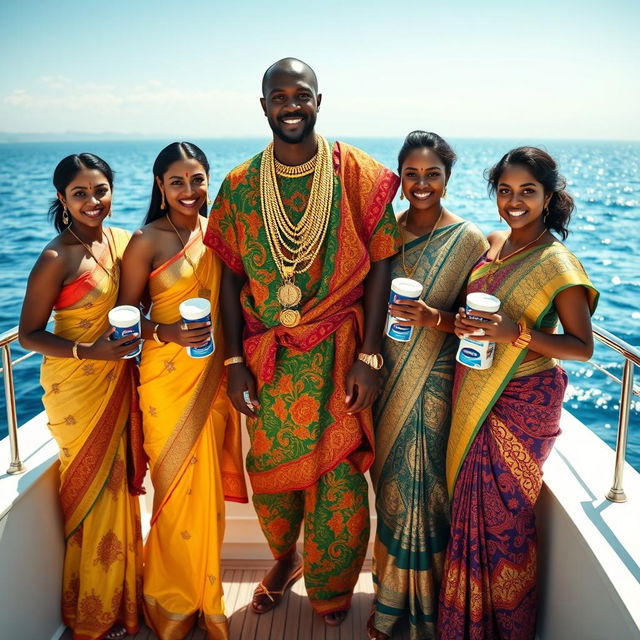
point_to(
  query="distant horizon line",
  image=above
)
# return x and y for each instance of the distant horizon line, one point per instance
(27, 138)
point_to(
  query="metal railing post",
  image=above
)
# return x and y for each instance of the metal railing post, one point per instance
(16, 465)
(616, 493)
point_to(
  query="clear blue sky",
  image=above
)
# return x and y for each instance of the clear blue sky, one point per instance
(470, 68)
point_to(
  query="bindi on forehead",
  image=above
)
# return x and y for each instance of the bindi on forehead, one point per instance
(186, 174)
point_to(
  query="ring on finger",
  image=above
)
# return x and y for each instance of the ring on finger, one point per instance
(479, 332)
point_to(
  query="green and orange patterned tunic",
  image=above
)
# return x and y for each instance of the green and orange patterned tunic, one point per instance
(302, 429)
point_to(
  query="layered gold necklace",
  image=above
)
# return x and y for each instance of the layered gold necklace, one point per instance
(294, 247)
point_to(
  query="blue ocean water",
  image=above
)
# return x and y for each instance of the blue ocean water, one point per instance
(604, 178)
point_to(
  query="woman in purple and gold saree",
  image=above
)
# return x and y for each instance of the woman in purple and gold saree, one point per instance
(505, 418)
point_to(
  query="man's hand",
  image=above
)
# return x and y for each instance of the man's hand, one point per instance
(242, 382)
(363, 385)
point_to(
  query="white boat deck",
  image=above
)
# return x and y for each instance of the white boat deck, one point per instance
(589, 554)
(292, 619)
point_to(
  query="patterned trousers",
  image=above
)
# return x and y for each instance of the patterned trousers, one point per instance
(335, 512)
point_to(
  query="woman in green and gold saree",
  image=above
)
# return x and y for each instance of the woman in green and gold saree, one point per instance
(412, 416)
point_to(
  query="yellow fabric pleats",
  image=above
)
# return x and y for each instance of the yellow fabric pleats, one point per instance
(87, 404)
(187, 426)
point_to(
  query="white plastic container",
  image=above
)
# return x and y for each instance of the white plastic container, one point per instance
(401, 289)
(472, 353)
(125, 319)
(198, 310)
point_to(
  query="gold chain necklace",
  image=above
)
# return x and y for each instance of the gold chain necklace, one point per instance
(88, 248)
(409, 272)
(294, 247)
(499, 260)
(297, 171)
(204, 292)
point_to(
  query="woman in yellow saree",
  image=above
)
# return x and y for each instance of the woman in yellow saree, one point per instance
(412, 415)
(191, 434)
(88, 399)
(506, 418)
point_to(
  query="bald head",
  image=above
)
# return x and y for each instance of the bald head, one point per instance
(289, 67)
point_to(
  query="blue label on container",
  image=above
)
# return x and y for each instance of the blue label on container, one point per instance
(207, 348)
(398, 332)
(123, 332)
(394, 330)
(469, 357)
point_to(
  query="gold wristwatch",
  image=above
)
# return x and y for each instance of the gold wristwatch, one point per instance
(373, 360)
(523, 340)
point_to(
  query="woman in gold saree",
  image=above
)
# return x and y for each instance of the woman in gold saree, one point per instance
(191, 434)
(411, 417)
(506, 418)
(88, 398)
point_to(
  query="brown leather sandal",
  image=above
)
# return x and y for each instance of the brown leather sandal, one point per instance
(273, 596)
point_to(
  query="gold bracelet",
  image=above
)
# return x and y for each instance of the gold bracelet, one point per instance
(373, 360)
(74, 351)
(523, 340)
(233, 360)
(439, 318)
(156, 337)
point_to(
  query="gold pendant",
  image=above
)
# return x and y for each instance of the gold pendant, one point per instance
(204, 293)
(289, 317)
(288, 271)
(289, 295)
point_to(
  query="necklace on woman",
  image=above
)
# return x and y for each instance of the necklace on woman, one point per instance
(203, 292)
(88, 248)
(408, 272)
(499, 260)
(294, 246)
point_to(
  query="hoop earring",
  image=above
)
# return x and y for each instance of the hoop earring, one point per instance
(65, 216)
(401, 194)
(444, 193)
(163, 204)
(208, 200)
(545, 216)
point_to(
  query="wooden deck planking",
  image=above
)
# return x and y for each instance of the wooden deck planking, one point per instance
(293, 619)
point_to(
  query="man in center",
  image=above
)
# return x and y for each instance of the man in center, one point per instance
(305, 229)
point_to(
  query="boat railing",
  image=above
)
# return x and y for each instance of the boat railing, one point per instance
(615, 494)
(631, 358)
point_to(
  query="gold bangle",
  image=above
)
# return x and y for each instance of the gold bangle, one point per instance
(74, 351)
(233, 360)
(439, 318)
(156, 337)
(523, 340)
(373, 360)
